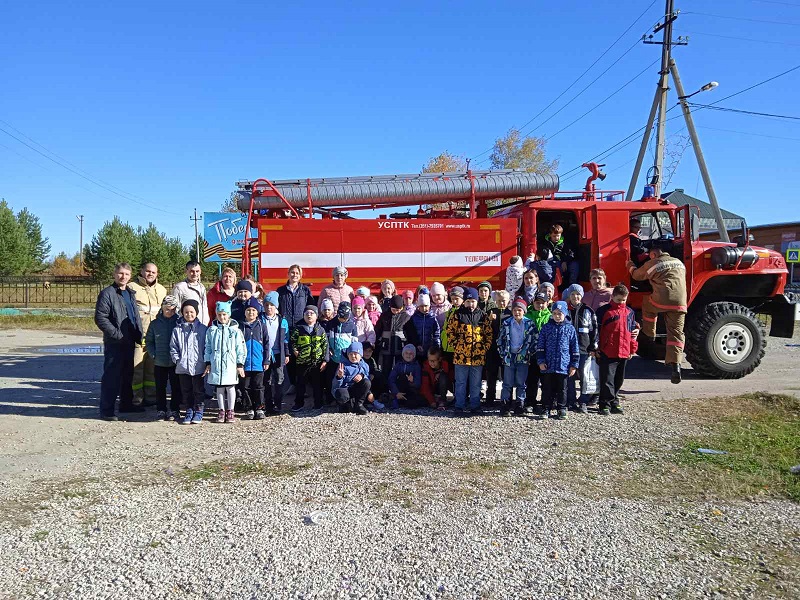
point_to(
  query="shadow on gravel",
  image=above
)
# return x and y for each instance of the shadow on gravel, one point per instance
(640, 368)
(64, 387)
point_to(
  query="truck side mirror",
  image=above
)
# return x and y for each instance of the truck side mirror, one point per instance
(695, 225)
(745, 239)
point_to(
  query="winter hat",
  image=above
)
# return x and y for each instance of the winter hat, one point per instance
(423, 289)
(397, 301)
(408, 294)
(457, 291)
(540, 296)
(470, 294)
(193, 303)
(339, 271)
(485, 284)
(223, 307)
(409, 348)
(561, 306)
(516, 261)
(355, 347)
(359, 301)
(271, 298)
(311, 308)
(549, 285)
(575, 287)
(363, 291)
(520, 301)
(253, 302)
(245, 284)
(424, 300)
(326, 304)
(373, 299)
(437, 288)
(344, 309)
(170, 300)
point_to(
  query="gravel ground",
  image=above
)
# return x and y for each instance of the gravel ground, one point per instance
(408, 505)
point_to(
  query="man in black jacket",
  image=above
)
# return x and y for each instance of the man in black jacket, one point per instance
(117, 317)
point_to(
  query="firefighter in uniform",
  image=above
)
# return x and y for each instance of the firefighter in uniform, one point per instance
(667, 276)
(149, 296)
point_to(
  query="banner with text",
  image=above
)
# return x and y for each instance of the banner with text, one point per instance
(223, 236)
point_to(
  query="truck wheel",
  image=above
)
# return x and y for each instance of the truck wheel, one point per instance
(725, 340)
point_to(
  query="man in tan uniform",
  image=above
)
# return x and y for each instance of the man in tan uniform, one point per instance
(667, 276)
(149, 296)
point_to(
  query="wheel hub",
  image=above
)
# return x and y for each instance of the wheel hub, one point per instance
(732, 343)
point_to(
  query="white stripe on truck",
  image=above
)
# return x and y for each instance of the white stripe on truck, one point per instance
(418, 260)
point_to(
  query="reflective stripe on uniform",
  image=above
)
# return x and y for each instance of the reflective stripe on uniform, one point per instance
(678, 307)
(675, 343)
(649, 319)
(583, 330)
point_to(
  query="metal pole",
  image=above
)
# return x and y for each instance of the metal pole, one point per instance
(80, 251)
(698, 152)
(666, 53)
(643, 148)
(196, 239)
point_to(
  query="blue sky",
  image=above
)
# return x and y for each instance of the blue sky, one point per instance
(168, 104)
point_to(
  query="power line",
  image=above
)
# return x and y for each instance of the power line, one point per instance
(745, 112)
(777, 2)
(733, 18)
(760, 83)
(742, 39)
(589, 68)
(79, 174)
(764, 135)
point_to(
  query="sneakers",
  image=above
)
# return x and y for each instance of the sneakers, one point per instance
(109, 418)
(676, 373)
(519, 409)
(250, 415)
(189, 416)
(220, 417)
(162, 415)
(259, 415)
(583, 409)
(197, 418)
(616, 409)
(174, 415)
(604, 412)
(562, 414)
(298, 406)
(505, 411)
(230, 417)
(378, 405)
(359, 409)
(393, 404)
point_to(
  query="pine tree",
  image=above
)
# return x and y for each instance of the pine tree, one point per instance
(115, 242)
(15, 254)
(38, 245)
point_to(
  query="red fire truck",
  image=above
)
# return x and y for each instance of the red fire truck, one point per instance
(734, 289)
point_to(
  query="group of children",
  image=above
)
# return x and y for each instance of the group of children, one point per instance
(364, 353)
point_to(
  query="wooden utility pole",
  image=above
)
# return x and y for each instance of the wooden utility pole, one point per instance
(196, 236)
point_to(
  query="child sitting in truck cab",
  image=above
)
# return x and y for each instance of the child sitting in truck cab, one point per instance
(555, 252)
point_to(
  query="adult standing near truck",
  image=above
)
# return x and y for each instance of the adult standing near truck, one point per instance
(149, 296)
(338, 291)
(667, 276)
(116, 315)
(222, 291)
(293, 297)
(192, 289)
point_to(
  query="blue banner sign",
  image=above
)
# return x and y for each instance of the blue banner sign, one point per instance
(223, 236)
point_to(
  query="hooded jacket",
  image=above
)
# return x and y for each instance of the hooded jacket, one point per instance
(187, 347)
(401, 369)
(422, 329)
(365, 330)
(617, 323)
(390, 332)
(440, 312)
(429, 380)
(255, 340)
(514, 273)
(446, 345)
(584, 321)
(557, 347)
(528, 348)
(224, 352)
(158, 338)
(311, 343)
(336, 295)
(470, 335)
(292, 303)
(340, 336)
(667, 275)
(351, 371)
(148, 300)
(555, 251)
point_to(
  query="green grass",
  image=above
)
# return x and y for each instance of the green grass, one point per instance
(40, 535)
(219, 469)
(52, 322)
(762, 438)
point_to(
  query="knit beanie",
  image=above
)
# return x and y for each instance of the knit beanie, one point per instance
(363, 291)
(562, 306)
(339, 271)
(424, 300)
(373, 299)
(311, 308)
(397, 301)
(470, 294)
(245, 284)
(547, 284)
(485, 284)
(170, 300)
(355, 347)
(540, 296)
(457, 291)
(271, 298)
(437, 288)
(575, 287)
(410, 348)
(520, 301)
(193, 303)
(253, 302)
(359, 301)
(326, 304)
(516, 262)
(344, 309)
(408, 294)
(223, 307)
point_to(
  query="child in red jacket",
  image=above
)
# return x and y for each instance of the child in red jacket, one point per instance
(618, 333)
(436, 379)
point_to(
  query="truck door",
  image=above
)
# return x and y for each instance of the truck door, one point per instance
(588, 243)
(685, 237)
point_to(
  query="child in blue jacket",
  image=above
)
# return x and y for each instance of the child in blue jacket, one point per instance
(277, 354)
(558, 355)
(405, 381)
(251, 386)
(224, 356)
(351, 383)
(516, 343)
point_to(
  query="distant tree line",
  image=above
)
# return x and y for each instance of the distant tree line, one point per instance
(23, 248)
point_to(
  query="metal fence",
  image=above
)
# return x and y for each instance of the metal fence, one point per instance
(45, 292)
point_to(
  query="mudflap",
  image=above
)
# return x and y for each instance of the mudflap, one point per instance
(785, 311)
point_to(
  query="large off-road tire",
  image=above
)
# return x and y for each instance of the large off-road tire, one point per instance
(725, 340)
